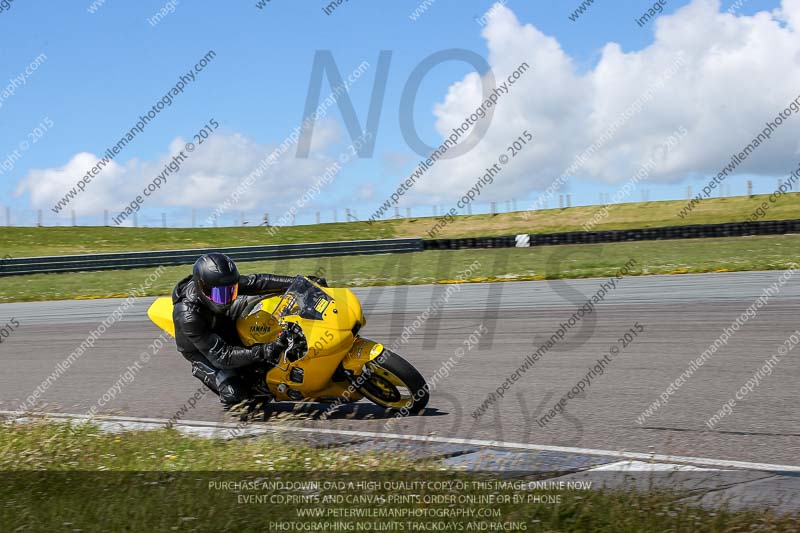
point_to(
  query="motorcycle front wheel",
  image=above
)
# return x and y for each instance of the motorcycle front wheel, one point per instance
(393, 383)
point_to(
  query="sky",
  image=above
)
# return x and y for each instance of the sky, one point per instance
(670, 100)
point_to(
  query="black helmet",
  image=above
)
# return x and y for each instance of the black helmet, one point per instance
(217, 280)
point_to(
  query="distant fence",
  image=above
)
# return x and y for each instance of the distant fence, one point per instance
(117, 261)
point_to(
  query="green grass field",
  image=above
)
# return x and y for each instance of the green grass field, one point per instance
(57, 479)
(25, 242)
(502, 264)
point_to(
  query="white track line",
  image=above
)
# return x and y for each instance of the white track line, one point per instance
(719, 463)
(640, 466)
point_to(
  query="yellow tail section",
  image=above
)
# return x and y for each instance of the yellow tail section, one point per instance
(161, 314)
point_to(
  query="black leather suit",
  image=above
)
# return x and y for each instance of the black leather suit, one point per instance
(210, 340)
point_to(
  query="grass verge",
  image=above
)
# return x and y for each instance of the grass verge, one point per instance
(26, 242)
(59, 479)
(503, 264)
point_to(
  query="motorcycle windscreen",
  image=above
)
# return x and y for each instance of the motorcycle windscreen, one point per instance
(304, 299)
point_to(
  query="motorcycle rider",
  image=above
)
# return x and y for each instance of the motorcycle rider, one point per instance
(206, 306)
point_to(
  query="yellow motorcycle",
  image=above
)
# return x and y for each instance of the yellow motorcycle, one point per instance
(333, 364)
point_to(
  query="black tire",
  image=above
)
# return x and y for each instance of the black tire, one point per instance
(380, 386)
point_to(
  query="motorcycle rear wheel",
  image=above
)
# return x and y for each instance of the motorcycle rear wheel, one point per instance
(393, 383)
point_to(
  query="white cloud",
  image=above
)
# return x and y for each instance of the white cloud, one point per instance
(206, 178)
(366, 191)
(739, 72)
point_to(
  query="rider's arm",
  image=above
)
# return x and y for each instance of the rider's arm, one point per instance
(221, 354)
(263, 283)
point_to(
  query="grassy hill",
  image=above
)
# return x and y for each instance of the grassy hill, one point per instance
(24, 242)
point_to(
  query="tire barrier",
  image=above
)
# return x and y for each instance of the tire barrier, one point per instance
(695, 231)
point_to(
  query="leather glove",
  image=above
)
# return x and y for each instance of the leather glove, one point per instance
(318, 281)
(290, 333)
(295, 339)
(269, 352)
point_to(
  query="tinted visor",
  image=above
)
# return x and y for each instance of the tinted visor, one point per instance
(223, 295)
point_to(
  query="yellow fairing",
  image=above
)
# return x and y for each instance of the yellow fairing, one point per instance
(362, 351)
(160, 312)
(260, 326)
(329, 340)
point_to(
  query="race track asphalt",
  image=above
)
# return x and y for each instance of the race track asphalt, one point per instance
(681, 315)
